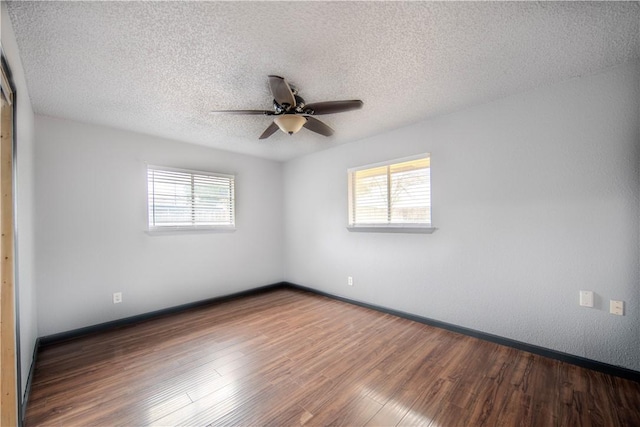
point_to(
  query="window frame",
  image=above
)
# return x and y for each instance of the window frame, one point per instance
(390, 227)
(152, 229)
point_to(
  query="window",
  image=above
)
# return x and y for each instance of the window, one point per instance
(183, 199)
(391, 196)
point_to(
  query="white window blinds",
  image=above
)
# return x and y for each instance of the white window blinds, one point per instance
(396, 193)
(182, 199)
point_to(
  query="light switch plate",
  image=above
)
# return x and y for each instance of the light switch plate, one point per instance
(586, 298)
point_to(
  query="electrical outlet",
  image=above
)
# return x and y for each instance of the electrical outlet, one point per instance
(616, 307)
(350, 281)
(117, 297)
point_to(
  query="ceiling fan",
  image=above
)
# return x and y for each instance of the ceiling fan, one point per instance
(292, 113)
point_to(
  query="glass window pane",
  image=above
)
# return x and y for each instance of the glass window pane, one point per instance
(184, 199)
(395, 193)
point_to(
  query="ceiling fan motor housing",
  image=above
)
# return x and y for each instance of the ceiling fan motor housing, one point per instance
(285, 108)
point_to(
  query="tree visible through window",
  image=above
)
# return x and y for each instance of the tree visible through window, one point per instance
(189, 199)
(397, 193)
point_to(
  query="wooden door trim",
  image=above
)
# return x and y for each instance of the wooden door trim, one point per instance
(9, 414)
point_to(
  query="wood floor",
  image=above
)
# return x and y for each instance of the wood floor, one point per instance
(289, 357)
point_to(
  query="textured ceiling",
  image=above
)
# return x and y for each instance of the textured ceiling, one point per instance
(160, 67)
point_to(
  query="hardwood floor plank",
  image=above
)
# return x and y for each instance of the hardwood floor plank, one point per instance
(289, 357)
(429, 404)
(403, 393)
(293, 415)
(227, 399)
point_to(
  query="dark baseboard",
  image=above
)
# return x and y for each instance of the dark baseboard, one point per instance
(542, 351)
(101, 327)
(605, 368)
(27, 389)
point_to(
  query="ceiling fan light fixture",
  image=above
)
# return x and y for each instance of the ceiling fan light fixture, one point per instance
(290, 123)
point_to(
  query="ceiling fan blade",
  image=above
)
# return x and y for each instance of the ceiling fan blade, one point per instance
(244, 112)
(331, 107)
(269, 131)
(317, 126)
(281, 91)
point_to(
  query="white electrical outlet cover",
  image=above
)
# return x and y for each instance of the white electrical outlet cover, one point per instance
(616, 307)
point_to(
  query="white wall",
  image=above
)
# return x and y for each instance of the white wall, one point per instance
(535, 197)
(91, 221)
(25, 269)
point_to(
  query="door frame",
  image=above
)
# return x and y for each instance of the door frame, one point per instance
(10, 387)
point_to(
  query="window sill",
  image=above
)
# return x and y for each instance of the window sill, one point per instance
(392, 229)
(188, 230)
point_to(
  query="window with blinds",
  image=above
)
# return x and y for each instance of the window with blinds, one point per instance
(391, 194)
(183, 199)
